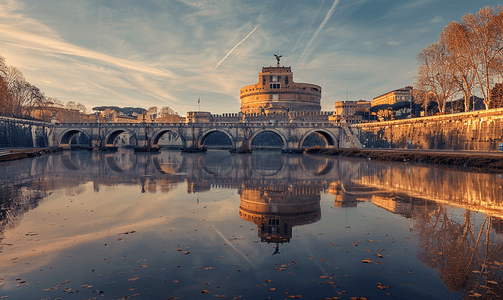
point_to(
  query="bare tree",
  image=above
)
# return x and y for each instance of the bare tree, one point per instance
(5, 99)
(485, 30)
(435, 74)
(459, 46)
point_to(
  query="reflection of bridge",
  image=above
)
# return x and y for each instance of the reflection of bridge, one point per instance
(292, 135)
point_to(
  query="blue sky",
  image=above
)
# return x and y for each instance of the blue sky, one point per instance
(170, 53)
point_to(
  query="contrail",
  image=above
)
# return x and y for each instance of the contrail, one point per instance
(327, 17)
(229, 243)
(237, 46)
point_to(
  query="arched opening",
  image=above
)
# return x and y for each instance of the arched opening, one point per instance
(168, 139)
(121, 138)
(315, 139)
(267, 140)
(75, 138)
(125, 140)
(217, 139)
(318, 138)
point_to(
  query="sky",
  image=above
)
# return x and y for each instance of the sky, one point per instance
(144, 53)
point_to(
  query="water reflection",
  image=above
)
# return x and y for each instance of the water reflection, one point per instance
(456, 218)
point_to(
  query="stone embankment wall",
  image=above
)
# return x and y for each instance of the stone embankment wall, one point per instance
(480, 130)
(23, 133)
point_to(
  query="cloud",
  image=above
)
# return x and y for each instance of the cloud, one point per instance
(393, 43)
(437, 19)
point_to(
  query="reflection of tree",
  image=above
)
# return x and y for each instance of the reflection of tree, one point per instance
(466, 254)
(14, 202)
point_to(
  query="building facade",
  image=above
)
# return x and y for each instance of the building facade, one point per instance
(393, 97)
(276, 92)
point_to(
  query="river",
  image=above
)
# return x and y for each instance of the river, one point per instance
(96, 225)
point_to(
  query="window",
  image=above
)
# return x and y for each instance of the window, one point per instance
(274, 97)
(274, 78)
(274, 85)
(274, 222)
(286, 79)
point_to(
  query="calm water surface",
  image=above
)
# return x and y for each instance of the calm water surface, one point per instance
(89, 225)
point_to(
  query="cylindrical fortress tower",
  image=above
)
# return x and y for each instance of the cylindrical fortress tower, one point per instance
(276, 92)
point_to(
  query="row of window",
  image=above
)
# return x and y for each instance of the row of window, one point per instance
(274, 85)
(274, 78)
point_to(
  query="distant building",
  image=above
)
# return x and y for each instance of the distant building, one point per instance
(276, 92)
(393, 97)
(350, 111)
(198, 117)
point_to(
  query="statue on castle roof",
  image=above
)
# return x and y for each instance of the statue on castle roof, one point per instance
(277, 59)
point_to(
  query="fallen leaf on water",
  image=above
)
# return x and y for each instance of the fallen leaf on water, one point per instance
(367, 261)
(186, 252)
(382, 287)
(144, 266)
(267, 280)
(272, 289)
(205, 291)
(378, 255)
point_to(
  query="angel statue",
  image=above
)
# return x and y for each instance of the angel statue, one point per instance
(277, 58)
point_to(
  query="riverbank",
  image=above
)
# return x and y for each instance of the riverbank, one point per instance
(13, 154)
(470, 161)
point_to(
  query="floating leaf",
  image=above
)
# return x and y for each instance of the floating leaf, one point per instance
(382, 287)
(367, 261)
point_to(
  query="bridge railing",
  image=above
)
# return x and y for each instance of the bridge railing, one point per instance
(205, 125)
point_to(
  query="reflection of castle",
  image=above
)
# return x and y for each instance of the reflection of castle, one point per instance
(276, 211)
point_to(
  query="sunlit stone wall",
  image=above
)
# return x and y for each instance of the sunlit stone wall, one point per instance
(480, 130)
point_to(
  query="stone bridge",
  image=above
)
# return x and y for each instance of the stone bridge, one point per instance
(292, 135)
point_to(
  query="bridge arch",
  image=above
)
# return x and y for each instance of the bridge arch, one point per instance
(329, 137)
(277, 132)
(203, 137)
(159, 133)
(113, 134)
(65, 139)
